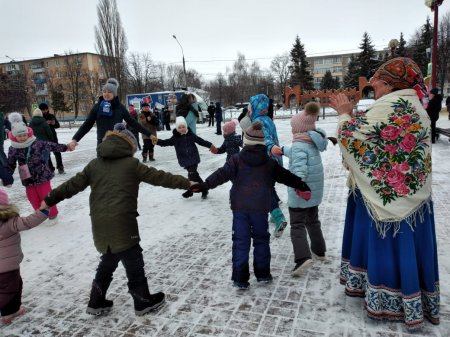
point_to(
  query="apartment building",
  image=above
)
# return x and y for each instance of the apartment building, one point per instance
(336, 63)
(60, 72)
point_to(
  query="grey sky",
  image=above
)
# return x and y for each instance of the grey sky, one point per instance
(211, 32)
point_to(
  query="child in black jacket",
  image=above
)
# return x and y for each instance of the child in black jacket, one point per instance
(252, 173)
(232, 142)
(184, 140)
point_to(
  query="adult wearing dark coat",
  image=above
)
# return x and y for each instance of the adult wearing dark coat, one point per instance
(447, 104)
(211, 112)
(219, 118)
(53, 124)
(433, 109)
(166, 117)
(107, 112)
(41, 129)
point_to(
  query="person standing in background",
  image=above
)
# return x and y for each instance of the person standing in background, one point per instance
(211, 112)
(134, 115)
(219, 118)
(54, 124)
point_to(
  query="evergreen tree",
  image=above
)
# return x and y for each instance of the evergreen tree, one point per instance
(401, 48)
(328, 82)
(352, 73)
(367, 58)
(420, 43)
(300, 75)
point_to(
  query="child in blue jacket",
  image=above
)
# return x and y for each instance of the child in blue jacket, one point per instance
(305, 162)
(253, 174)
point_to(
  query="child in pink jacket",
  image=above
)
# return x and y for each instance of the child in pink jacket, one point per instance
(11, 255)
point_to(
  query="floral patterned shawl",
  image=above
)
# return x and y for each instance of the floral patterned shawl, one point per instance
(388, 152)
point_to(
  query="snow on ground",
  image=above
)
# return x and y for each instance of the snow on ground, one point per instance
(187, 251)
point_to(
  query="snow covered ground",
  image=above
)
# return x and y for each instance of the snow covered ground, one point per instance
(187, 250)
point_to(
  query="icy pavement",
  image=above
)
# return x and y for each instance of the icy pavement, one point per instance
(187, 251)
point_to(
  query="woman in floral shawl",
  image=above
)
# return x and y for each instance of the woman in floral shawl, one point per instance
(389, 253)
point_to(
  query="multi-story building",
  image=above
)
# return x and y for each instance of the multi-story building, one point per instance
(336, 63)
(78, 74)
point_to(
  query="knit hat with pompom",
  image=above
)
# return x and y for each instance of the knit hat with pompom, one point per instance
(254, 135)
(111, 85)
(18, 127)
(305, 120)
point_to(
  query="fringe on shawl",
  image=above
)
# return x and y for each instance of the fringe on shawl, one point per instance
(383, 226)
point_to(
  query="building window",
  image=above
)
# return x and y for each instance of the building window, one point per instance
(337, 60)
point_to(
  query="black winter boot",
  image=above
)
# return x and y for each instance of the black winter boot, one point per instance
(150, 157)
(144, 302)
(144, 158)
(97, 302)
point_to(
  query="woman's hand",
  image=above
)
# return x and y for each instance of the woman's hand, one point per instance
(341, 104)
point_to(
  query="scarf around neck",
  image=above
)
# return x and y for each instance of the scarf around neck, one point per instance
(302, 137)
(388, 152)
(23, 145)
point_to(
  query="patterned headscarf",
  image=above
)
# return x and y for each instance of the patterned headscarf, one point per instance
(402, 73)
(259, 104)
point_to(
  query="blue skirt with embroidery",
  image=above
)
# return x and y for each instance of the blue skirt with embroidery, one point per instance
(398, 275)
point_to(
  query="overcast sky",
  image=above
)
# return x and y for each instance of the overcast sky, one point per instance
(211, 32)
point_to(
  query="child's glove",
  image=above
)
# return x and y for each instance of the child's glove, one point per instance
(303, 191)
(199, 188)
(213, 149)
(303, 194)
(154, 139)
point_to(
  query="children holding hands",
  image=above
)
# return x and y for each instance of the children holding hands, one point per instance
(184, 140)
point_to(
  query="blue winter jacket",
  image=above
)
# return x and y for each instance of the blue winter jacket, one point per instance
(185, 148)
(305, 162)
(252, 173)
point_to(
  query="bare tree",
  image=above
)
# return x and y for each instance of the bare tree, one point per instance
(74, 80)
(111, 41)
(92, 87)
(141, 72)
(281, 72)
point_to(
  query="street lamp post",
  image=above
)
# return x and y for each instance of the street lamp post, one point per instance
(184, 64)
(433, 5)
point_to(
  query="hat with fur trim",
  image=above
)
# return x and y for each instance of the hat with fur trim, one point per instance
(111, 85)
(254, 135)
(120, 130)
(230, 127)
(306, 119)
